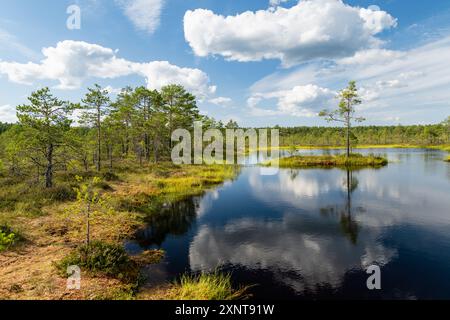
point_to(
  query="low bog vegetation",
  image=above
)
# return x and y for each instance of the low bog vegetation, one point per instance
(166, 183)
(28, 199)
(55, 217)
(323, 161)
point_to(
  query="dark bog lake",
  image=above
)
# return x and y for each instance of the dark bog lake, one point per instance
(311, 233)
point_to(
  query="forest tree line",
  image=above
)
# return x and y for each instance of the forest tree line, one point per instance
(138, 124)
(434, 134)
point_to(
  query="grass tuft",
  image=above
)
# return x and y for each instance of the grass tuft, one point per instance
(214, 286)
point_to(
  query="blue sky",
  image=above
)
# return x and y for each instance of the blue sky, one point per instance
(260, 62)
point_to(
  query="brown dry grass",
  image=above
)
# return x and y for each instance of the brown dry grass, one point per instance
(29, 274)
(28, 271)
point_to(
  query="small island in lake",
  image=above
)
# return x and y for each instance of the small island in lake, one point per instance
(312, 161)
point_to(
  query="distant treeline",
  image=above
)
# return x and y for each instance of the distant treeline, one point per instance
(4, 127)
(435, 134)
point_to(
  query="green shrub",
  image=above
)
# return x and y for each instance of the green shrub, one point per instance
(102, 258)
(7, 237)
(110, 176)
(60, 193)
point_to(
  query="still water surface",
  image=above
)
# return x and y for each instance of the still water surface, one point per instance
(311, 233)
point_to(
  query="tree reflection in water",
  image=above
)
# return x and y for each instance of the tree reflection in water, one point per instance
(349, 226)
(170, 219)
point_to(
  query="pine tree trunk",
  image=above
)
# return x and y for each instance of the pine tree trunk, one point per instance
(155, 149)
(88, 224)
(127, 139)
(99, 148)
(110, 157)
(86, 163)
(348, 141)
(348, 130)
(146, 147)
(49, 169)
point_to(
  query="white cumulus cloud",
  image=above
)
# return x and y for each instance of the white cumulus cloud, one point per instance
(162, 73)
(144, 14)
(310, 29)
(300, 101)
(410, 84)
(8, 114)
(72, 62)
